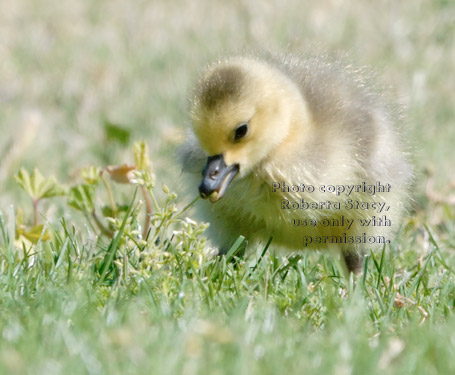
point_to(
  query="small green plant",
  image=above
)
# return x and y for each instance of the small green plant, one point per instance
(38, 188)
(131, 234)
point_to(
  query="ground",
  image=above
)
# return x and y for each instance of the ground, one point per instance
(81, 81)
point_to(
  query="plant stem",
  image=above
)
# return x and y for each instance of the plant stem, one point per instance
(148, 211)
(35, 212)
(155, 203)
(101, 227)
(109, 194)
(187, 206)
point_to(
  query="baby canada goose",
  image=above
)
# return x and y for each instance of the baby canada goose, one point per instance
(298, 150)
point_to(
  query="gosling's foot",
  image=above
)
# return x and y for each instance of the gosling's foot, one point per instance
(354, 261)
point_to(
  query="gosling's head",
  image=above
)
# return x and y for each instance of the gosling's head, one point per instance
(242, 110)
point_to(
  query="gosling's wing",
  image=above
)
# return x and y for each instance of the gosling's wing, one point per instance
(335, 92)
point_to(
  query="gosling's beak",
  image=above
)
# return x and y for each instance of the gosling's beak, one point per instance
(216, 177)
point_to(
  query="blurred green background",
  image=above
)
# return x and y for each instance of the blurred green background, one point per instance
(80, 81)
(68, 68)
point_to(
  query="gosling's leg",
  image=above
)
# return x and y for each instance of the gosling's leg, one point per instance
(354, 261)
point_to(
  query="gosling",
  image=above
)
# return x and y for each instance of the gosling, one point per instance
(265, 130)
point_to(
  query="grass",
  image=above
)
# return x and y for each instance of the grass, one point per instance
(82, 292)
(181, 311)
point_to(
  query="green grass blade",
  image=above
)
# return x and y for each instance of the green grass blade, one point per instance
(113, 246)
(235, 248)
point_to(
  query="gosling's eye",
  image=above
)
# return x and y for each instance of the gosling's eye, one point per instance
(241, 131)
